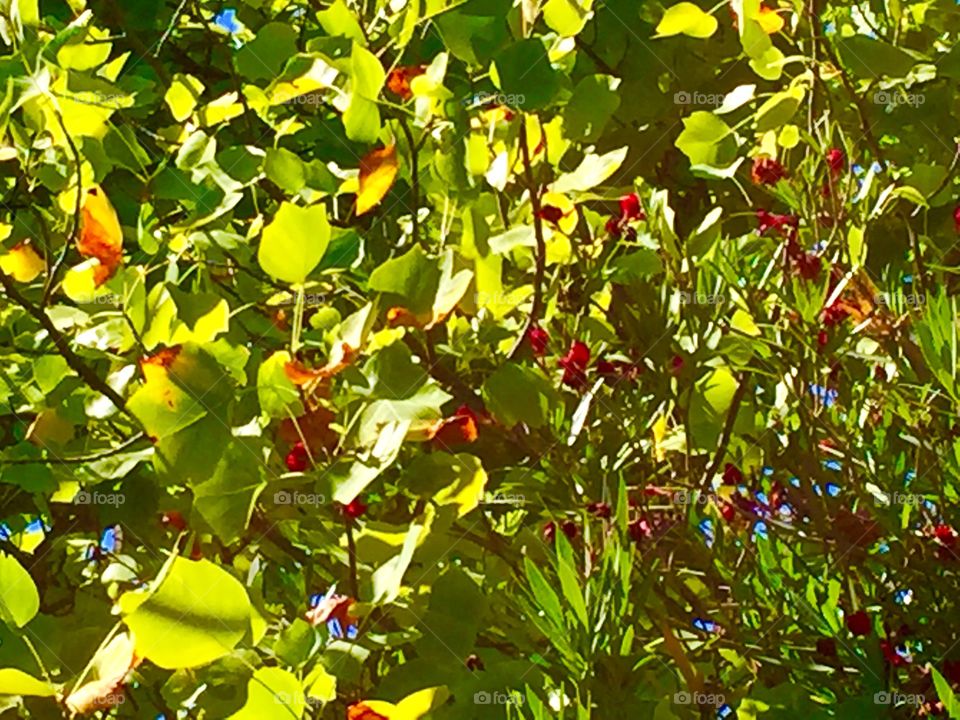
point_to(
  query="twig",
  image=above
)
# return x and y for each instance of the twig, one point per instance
(85, 372)
(76, 459)
(414, 178)
(352, 556)
(727, 429)
(77, 209)
(169, 30)
(541, 258)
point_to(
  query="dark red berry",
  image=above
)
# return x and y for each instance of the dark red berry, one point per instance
(474, 663)
(538, 339)
(574, 364)
(297, 459)
(630, 208)
(355, 509)
(613, 227)
(551, 214)
(600, 509)
(767, 171)
(549, 531)
(570, 529)
(732, 475)
(858, 623)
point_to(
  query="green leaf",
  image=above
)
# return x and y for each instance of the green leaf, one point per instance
(263, 57)
(183, 95)
(702, 138)
(592, 171)
(19, 599)
(321, 685)
(448, 479)
(567, 17)
(949, 699)
(361, 119)
(198, 614)
(779, 109)
(544, 595)
(272, 693)
(285, 169)
(226, 500)
(524, 73)
(338, 20)
(516, 394)
(410, 280)
(370, 462)
(17, 682)
(388, 578)
(293, 244)
(871, 59)
(567, 572)
(685, 18)
(593, 103)
(279, 397)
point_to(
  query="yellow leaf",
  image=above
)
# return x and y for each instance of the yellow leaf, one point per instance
(100, 234)
(22, 263)
(378, 170)
(771, 21)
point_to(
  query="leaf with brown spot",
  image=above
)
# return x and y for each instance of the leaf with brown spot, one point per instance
(100, 235)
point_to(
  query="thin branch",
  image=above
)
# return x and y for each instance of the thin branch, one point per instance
(414, 178)
(541, 258)
(727, 430)
(77, 459)
(77, 209)
(76, 364)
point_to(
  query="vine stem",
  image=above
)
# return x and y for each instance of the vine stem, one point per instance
(297, 321)
(414, 179)
(352, 555)
(541, 257)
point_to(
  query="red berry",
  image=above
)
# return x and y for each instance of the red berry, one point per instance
(836, 161)
(196, 553)
(570, 529)
(297, 459)
(808, 266)
(173, 519)
(474, 663)
(728, 512)
(538, 339)
(355, 508)
(574, 364)
(858, 623)
(630, 207)
(676, 364)
(956, 224)
(879, 373)
(785, 225)
(823, 337)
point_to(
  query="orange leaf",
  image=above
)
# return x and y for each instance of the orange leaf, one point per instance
(100, 235)
(22, 263)
(398, 81)
(378, 170)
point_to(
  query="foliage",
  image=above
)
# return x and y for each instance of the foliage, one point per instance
(479, 359)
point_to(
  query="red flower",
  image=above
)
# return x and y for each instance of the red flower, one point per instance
(879, 373)
(570, 529)
(574, 364)
(827, 647)
(808, 265)
(613, 227)
(354, 509)
(823, 337)
(945, 535)
(858, 623)
(728, 512)
(600, 509)
(890, 654)
(956, 224)
(298, 458)
(538, 339)
(732, 475)
(676, 364)
(833, 315)
(784, 225)
(462, 427)
(551, 214)
(836, 161)
(630, 208)
(606, 368)
(767, 171)
(549, 531)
